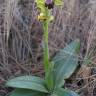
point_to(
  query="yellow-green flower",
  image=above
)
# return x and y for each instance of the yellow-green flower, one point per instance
(42, 17)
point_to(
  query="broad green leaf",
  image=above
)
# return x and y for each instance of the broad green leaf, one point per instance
(26, 92)
(66, 62)
(65, 92)
(28, 82)
(61, 83)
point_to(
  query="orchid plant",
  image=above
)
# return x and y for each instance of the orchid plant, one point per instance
(56, 71)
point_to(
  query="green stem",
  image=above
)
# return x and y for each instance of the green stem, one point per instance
(47, 64)
(46, 48)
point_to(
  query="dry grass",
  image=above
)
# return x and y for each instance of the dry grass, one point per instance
(21, 39)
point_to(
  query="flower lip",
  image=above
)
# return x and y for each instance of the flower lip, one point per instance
(49, 4)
